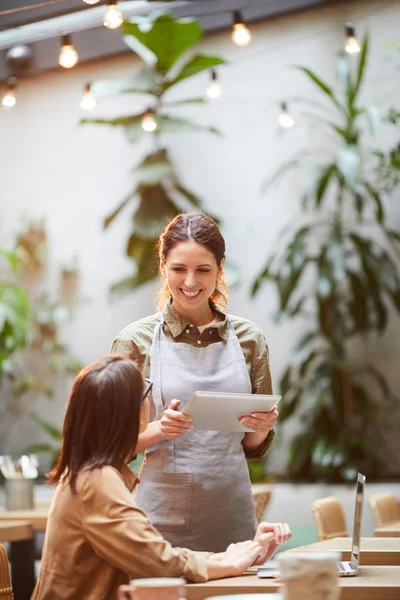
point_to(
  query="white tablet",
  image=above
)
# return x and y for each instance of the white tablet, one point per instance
(221, 410)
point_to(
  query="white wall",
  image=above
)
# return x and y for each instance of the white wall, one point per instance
(73, 175)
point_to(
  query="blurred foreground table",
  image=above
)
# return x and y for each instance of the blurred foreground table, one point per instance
(388, 531)
(371, 583)
(20, 536)
(373, 550)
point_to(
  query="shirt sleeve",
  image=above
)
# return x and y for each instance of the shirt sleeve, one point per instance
(262, 384)
(121, 534)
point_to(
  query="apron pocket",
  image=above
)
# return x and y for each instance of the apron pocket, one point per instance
(166, 498)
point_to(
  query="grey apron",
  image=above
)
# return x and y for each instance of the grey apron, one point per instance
(196, 490)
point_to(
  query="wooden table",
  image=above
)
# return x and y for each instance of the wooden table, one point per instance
(20, 535)
(373, 550)
(37, 516)
(388, 531)
(371, 583)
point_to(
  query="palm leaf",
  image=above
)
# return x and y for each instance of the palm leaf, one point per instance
(322, 86)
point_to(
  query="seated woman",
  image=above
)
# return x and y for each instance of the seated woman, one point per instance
(96, 537)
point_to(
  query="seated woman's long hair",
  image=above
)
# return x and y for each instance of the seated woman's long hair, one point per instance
(102, 420)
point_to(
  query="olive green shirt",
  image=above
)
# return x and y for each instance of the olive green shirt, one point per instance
(136, 339)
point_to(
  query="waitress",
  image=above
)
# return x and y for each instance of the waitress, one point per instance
(195, 485)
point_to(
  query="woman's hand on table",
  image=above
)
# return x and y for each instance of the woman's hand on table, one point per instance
(173, 423)
(261, 422)
(270, 536)
(241, 556)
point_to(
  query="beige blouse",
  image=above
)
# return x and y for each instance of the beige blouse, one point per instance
(98, 539)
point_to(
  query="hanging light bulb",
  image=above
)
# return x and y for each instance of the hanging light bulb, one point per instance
(112, 17)
(88, 100)
(214, 89)
(9, 100)
(351, 45)
(285, 120)
(148, 122)
(68, 55)
(90, 1)
(240, 32)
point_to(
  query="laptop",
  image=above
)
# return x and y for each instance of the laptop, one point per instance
(350, 568)
(345, 568)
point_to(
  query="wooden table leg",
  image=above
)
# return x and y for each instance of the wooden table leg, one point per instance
(22, 556)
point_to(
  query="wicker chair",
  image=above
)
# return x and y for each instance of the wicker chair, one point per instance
(261, 497)
(329, 518)
(5, 581)
(385, 508)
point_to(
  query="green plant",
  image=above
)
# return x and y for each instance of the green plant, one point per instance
(163, 43)
(14, 313)
(338, 268)
(37, 359)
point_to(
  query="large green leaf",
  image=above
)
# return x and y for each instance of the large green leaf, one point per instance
(262, 277)
(51, 429)
(197, 64)
(375, 196)
(362, 62)
(155, 209)
(154, 168)
(165, 125)
(166, 38)
(141, 249)
(322, 86)
(144, 274)
(326, 176)
(190, 196)
(358, 302)
(110, 218)
(169, 124)
(12, 260)
(143, 81)
(117, 122)
(289, 405)
(199, 100)
(349, 162)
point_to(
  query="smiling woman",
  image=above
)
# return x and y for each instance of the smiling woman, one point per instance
(195, 485)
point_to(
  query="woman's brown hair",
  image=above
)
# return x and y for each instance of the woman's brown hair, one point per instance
(193, 227)
(102, 420)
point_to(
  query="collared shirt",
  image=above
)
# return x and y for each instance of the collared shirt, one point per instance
(136, 339)
(98, 539)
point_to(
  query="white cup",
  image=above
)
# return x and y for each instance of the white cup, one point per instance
(155, 588)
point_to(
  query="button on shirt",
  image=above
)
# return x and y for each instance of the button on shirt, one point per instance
(136, 340)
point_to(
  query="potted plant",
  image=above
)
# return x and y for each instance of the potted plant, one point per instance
(337, 268)
(164, 44)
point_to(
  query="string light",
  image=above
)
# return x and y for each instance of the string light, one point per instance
(112, 17)
(240, 32)
(9, 100)
(68, 55)
(214, 89)
(88, 100)
(351, 45)
(148, 122)
(285, 120)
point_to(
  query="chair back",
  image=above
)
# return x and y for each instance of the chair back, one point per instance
(261, 497)
(6, 592)
(385, 508)
(329, 518)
